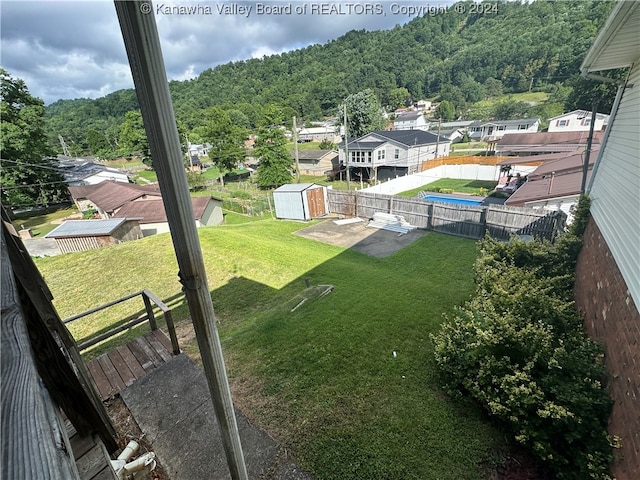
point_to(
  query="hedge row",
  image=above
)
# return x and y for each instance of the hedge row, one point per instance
(518, 348)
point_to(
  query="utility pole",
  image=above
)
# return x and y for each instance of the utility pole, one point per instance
(65, 149)
(438, 139)
(295, 149)
(346, 149)
(140, 35)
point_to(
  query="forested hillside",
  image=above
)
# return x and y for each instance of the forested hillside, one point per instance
(461, 58)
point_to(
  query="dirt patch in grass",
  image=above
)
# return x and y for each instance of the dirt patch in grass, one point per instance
(370, 241)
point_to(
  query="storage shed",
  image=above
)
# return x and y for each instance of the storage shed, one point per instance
(300, 201)
(80, 235)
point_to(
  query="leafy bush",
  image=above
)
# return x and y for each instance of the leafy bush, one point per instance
(446, 190)
(519, 350)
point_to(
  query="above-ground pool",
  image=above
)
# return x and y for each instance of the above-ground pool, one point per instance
(457, 201)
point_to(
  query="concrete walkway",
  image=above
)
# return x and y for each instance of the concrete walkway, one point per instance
(41, 247)
(173, 408)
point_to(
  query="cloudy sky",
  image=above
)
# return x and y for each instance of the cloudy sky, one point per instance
(74, 49)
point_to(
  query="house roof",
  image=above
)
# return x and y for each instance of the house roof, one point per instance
(567, 162)
(110, 195)
(86, 228)
(410, 138)
(549, 186)
(518, 121)
(152, 211)
(315, 154)
(546, 141)
(580, 114)
(79, 173)
(618, 43)
(408, 116)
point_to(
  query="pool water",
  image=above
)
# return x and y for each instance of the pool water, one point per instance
(457, 201)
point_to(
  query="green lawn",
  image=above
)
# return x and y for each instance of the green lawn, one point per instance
(40, 225)
(323, 379)
(471, 187)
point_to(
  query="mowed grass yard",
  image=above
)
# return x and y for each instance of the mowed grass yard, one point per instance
(323, 379)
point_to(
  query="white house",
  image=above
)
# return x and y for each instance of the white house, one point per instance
(81, 171)
(396, 151)
(577, 121)
(607, 288)
(409, 121)
(318, 134)
(494, 130)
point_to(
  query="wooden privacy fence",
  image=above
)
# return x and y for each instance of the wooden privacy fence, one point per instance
(462, 220)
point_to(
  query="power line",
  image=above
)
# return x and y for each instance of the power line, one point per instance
(22, 164)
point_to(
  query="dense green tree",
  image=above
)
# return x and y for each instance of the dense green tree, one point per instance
(133, 138)
(226, 139)
(446, 111)
(511, 109)
(398, 98)
(98, 144)
(275, 165)
(364, 113)
(28, 174)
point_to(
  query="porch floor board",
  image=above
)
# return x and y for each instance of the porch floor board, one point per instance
(113, 371)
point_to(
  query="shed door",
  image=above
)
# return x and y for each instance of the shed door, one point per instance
(315, 199)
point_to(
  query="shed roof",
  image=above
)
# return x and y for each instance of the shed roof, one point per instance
(295, 187)
(86, 228)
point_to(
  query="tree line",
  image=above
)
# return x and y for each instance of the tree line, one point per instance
(452, 57)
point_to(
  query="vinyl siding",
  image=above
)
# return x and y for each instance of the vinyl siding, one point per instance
(615, 193)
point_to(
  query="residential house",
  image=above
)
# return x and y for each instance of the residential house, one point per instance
(152, 216)
(424, 105)
(317, 162)
(410, 120)
(577, 121)
(494, 130)
(545, 142)
(607, 288)
(199, 150)
(319, 134)
(81, 171)
(109, 196)
(80, 235)
(386, 154)
(555, 184)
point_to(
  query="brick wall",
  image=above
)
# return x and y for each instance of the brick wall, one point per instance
(612, 318)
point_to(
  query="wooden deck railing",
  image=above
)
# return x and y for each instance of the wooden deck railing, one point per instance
(131, 321)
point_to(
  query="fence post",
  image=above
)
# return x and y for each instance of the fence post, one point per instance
(149, 309)
(483, 221)
(430, 216)
(391, 205)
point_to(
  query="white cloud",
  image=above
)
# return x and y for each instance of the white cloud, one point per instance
(75, 49)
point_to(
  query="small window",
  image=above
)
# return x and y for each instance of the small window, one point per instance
(523, 126)
(586, 122)
(396, 154)
(563, 123)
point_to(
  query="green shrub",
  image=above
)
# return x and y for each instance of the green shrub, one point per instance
(446, 190)
(88, 214)
(519, 350)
